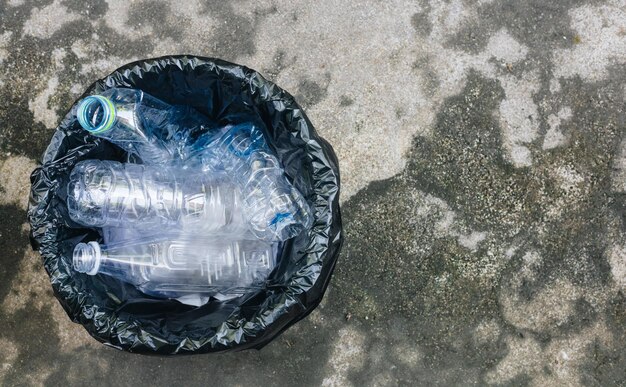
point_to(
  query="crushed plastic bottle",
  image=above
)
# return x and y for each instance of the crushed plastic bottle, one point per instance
(275, 209)
(187, 266)
(142, 125)
(104, 193)
(198, 217)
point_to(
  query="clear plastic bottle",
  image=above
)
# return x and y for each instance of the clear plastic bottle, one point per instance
(142, 125)
(187, 266)
(275, 209)
(105, 193)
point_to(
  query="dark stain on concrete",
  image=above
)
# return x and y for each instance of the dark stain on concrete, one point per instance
(345, 101)
(89, 8)
(464, 165)
(12, 242)
(234, 35)
(402, 257)
(467, 148)
(535, 23)
(157, 15)
(21, 135)
(605, 365)
(36, 341)
(428, 76)
(421, 21)
(279, 62)
(311, 92)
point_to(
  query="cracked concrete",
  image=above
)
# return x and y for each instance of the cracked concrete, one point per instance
(483, 155)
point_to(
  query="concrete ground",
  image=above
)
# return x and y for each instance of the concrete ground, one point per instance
(483, 155)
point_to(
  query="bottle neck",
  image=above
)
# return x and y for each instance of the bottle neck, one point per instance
(86, 258)
(96, 114)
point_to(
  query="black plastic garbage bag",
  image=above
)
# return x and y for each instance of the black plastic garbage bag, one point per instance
(120, 316)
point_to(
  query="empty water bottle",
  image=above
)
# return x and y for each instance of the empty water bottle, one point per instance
(175, 268)
(142, 125)
(104, 193)
(275, 209)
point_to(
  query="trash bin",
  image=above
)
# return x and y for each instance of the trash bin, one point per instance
(117, 314)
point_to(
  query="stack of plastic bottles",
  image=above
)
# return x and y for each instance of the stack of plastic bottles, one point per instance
(198, 211)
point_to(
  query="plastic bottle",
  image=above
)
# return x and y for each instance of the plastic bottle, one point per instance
(187, 266)
(142, 125)
(105, 193)
(275, 209)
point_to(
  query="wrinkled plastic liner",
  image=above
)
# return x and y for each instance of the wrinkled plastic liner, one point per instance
(117, 314)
